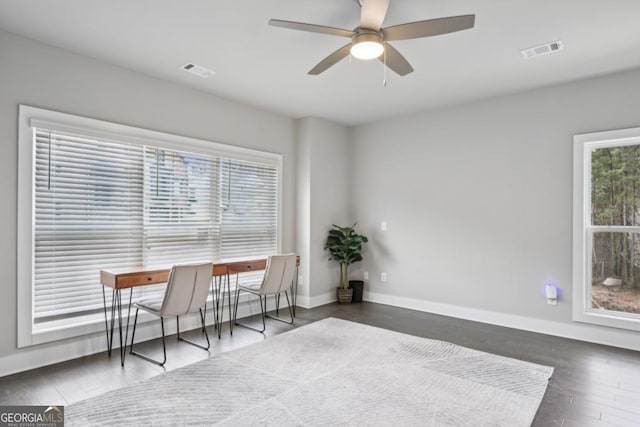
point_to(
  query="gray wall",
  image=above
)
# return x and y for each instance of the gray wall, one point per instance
(478, 200)
(322, 200)
(34, 74)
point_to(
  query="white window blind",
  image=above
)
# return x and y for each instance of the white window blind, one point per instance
(249, 212)
(88, 216)
(249, 209)
(110, 203)
(181, 212)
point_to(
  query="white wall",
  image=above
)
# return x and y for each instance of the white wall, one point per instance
(478, 201)
(303, 138)
(35, 74)
(322, 200)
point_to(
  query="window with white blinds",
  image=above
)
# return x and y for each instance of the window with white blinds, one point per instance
(111, 200)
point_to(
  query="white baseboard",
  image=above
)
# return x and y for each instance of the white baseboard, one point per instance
(316, 301)
(48, 354)
(577, 331)
(60, 351)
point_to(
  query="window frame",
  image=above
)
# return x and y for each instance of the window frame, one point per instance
(583, 230)
(30, 117)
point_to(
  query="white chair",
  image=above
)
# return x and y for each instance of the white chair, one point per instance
(187, 291)
(278, 279)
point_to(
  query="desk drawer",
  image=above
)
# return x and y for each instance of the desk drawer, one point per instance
(141, 279)
(244, 266)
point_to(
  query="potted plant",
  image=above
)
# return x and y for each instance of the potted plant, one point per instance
(345, 246)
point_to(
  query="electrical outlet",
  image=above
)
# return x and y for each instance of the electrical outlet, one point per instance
(383, 277)
(365, 276)
(383, 226)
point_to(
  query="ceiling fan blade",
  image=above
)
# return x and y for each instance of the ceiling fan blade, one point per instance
(395, 61)
(373, 13)
(312, 28)
(331, 60)
(431, 27)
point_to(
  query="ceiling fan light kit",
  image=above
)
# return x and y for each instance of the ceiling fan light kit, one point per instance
(366, 45)
(370, 40)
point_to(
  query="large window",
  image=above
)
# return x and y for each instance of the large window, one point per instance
(607, 228)
(97, 195)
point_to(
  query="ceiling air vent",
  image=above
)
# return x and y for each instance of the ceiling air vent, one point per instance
(542, 49)
(197, 70)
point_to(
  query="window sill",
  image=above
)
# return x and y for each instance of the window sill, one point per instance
(93, 324)
(610, 319)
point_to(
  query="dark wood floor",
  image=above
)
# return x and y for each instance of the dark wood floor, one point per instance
(593, 385)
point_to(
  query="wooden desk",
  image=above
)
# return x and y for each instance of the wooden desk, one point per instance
(130, 277)
(124, 278)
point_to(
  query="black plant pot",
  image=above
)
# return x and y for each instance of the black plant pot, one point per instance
(358, 287)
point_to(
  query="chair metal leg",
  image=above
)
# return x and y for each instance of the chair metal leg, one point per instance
(294, 291)
(204, 329)
(262, 313)
(235, 305)
(205, 316)
(144, 356)
(290, 322)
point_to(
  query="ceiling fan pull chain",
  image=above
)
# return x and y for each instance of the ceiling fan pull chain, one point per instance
(384, 68)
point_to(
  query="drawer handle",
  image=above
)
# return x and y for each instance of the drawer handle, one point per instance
(149, 279)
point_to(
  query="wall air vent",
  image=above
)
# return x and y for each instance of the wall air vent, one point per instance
(197, 70)
(542, 49)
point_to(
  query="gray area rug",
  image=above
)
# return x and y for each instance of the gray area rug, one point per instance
(331, 372)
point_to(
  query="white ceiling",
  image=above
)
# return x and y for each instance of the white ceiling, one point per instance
(267, 67)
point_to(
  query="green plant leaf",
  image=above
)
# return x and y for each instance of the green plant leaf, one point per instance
(344, 245)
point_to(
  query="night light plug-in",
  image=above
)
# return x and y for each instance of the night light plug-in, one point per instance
(551, 292)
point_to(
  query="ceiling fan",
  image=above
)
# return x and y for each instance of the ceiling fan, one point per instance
(369, 40)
